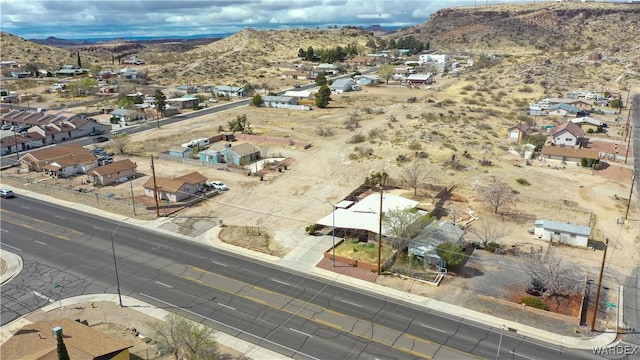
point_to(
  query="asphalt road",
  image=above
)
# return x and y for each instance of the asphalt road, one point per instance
(68, 253)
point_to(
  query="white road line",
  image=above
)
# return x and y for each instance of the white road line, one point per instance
(97, 228)
(43, 296)
(163, 284)
(217, 263)
(300, 332)
(61, 217)
(24, 207)
(432, 328)
(280, 282)
(3, 230)
(230, 327)
(13, 247)
(526, 357)
(227, 306)
(351, 303)
(41, 243)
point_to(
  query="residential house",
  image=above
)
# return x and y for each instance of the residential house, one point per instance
(278, 101)
(363, 80)
(518, 132)
(69, 165)
(300, 95)
(328, 69)
(569, 154)
(297, 75)
(567, 134)
(581, 104)
(70, 70)
(589, 124)
(108, 89)
(563, 109)
(37, 159)
(16, 143)
(344, 85)
(419, 78)
(231, 91)
(185, 102)
(424, 245)
(126, 115)
(190, 89)
(36, 341)
(176, 189)
(565, 233)
(362, 219)
(226, 153)
(536, 110)
(433, 58)
(128, 73)
(53, 126)
(116, 172)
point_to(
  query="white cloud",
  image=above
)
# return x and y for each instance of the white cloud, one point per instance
(106, 18)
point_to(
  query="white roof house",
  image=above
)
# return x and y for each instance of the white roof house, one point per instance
(302, 94)
(365, 214)
(587, 120)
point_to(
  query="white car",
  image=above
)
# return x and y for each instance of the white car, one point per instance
(217, 185)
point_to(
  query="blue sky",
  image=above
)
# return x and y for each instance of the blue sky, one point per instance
(80, 19)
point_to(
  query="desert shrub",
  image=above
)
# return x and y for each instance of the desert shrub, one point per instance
(412, 100)
(482, 126)
(468, 87)
(534, 303)
(526, 89)
(357, 138)
(449, 146)
(402, 158)
(373, 133)
(414, 145)
(311, 229)
(447, 102)
(324, 131)
(363, 151)
(492, 246)
(392, 118)
(422, 155)
(409, 116)
(523, 181)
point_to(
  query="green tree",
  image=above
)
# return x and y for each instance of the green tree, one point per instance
(392, 44)
(386, 72)
(323, 96)
(616, 103)
(87, 86)
(79, 62)
(301, 53)
(160, 101)
(310, 54)
(181, 336)
(257, 100)
(94, 69)
(321, 79)
(241, 124)
(377, 178)
(451, 253)
(62, 348)
(125, 101)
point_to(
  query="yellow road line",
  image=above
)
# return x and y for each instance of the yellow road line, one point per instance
(37, 230)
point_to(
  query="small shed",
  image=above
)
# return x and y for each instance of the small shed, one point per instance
(567, 233)
(181, 152)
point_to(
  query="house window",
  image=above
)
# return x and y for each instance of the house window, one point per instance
(572, 236)
(556, 233)
(568, 140)
(109, 176)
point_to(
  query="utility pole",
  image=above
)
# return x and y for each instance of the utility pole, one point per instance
(380, 230)
(595, 312)
(633, 181)
(155, 188)
(133, 201)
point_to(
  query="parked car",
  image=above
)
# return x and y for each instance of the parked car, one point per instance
(105, 160)
(95, 133)
(98, 151)
(100, 139)
(6, 127)
(535, 288)
(6, 193)
(217, 185)
(213, 100)
(296, 85)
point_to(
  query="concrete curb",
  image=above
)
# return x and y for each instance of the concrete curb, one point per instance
(14, 266)
(210, 238)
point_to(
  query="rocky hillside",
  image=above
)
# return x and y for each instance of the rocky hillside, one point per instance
(15, 48)
(546, 26)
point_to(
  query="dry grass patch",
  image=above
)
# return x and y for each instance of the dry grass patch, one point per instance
(252, 239)
(362, 251)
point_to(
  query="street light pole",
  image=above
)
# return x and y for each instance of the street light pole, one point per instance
(500, 342)
(115, 264)
(380, 230)
(333, 234)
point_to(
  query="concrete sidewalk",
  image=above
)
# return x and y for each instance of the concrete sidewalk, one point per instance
(306, 255)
